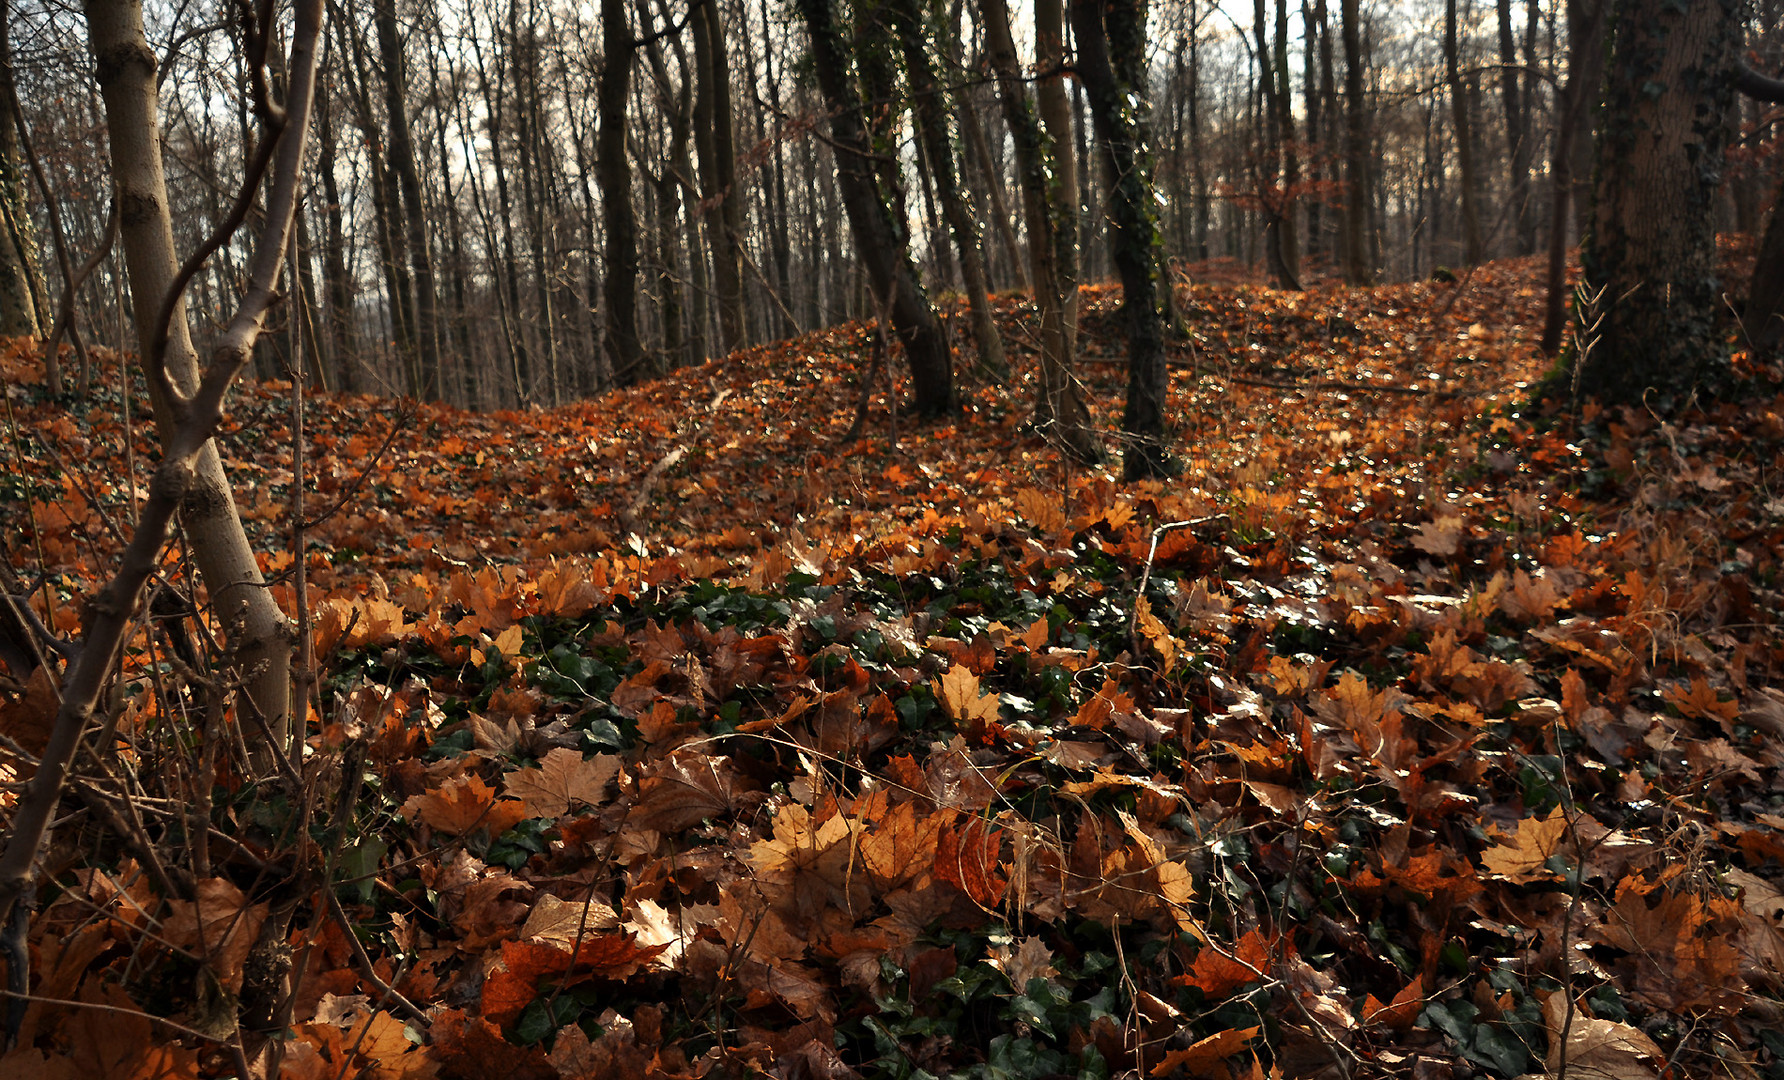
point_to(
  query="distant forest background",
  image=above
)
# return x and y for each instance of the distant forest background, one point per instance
(491, 182)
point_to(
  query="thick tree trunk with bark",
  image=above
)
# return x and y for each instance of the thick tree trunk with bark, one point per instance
(1650, 262)
(879, 243)
(929, 102)
(1060, 412)
(1585, 32)
(1518, 138)
(258, 635)
(614, 175)
(19, 316)
(1461, 125)
(714, 142)
(1357, 263)
(1056, 119)
(1111, 37)
(414, 215)
(1764, 313)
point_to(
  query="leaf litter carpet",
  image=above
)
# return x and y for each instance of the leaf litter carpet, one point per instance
(1410, 731)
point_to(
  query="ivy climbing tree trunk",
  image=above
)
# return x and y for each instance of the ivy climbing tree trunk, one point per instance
(1056, 119)
(880, 244)
(931, 107)
(1650, 260)
(1111, 37)
(1060, 412)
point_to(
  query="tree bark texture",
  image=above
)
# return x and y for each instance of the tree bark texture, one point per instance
(1650, 261)
(1461, 125)
(714, 142)
(1056, 119)
(19, 316)
(1111, 36)
(1764, 313)
(413, 214)
(258, 636)
(930, 105)
(1060, 412)
(614, 175)
(880, 244)
(1585, 31)
(1518, 138)
(1272, 185)
(1358, 268)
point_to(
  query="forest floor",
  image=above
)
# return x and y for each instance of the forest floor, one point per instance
(1412, 731)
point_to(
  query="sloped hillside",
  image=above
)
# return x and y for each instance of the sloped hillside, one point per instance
(1410, 731)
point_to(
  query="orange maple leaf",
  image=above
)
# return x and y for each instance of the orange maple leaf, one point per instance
(462, 804)
(958, 691)
(510, 988)
(563, 779)
(1700, 702)
(1399, 1013)
(967, 857)
(1218, 972)
(1207, 1057)
(1523, 856)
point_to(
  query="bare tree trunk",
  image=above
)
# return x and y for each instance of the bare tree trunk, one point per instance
(779, 218)
(1585, 69)
(613, 173)
(932, 123)
(1111, 36)
(116, 39)
(1651, 256)
(258, 635)
(1272, 189)
(1056, 120)
(978, 153)
(879, 243)
(1585, 33)
(528, 118)
(1284, 103)
(1764, 312)
(1060, 412)
(386, 213)
(414, 215)
(519, 350)
(1313, 18)
(336, 287)
(675, 101)
(1461, 123)
(1197, 151)
(19, 314)
(459, 321)
(1357, 263)
(1518, 138)
(718, 169)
